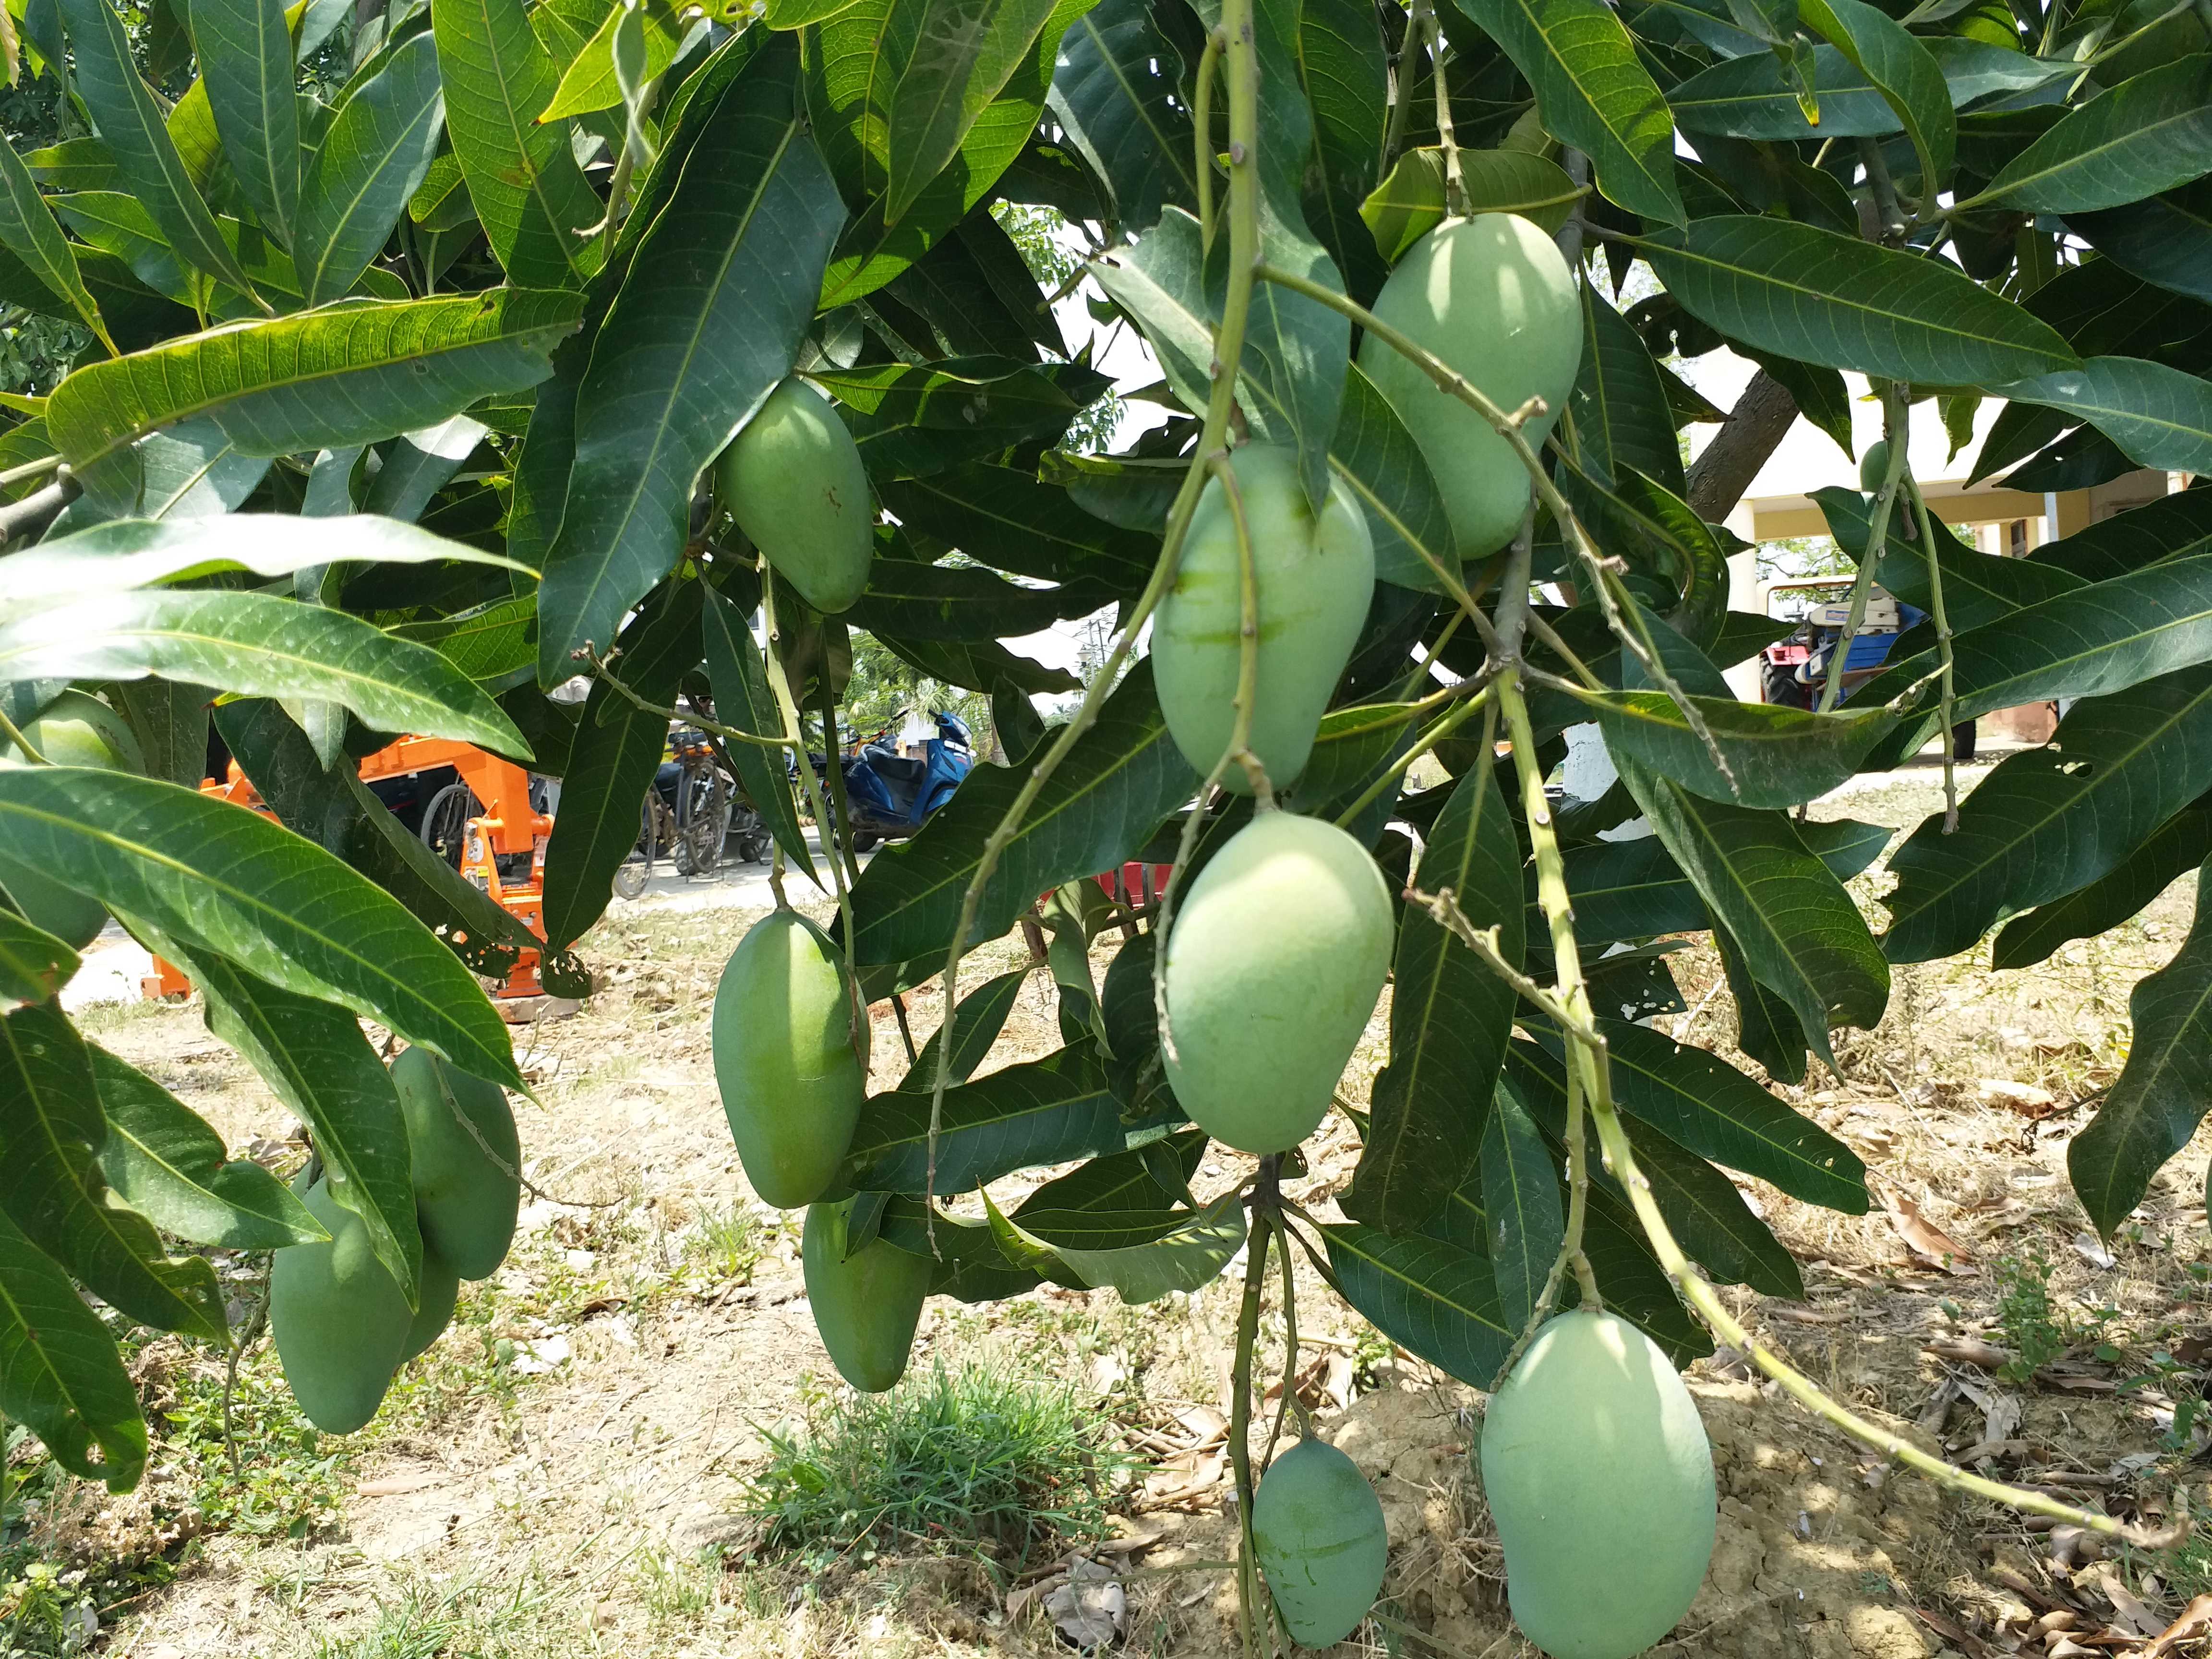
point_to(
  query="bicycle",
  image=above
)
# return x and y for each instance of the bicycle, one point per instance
(687, 813)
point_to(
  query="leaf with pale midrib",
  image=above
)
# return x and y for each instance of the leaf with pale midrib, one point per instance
(1044, 1111)
(1520, 1199)
(60, 1374)
(246, 69)
(1432, 1299)
(2145, 135)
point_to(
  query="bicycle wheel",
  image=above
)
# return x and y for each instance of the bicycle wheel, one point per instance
(632, 874)
(706, 824)
(445, 821)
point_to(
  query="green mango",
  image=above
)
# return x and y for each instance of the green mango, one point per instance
(1873, 466)
(1313, 574)
(867, 1305)
(1278, 955)
(433, 1305)
(793, 480)
(791, 1086)
(1493, 298)
(1317, 1532)
(76, 729)
(465, 1201)
(1599, 1477)
(340, 1320)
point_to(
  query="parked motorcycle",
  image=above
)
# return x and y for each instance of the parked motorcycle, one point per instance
(891, 795)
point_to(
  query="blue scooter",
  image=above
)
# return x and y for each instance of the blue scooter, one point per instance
(891, 795)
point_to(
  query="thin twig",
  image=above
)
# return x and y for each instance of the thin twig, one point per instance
(1897, 434)
(1421, 745)
(29, 470)
(605, 675)
(1425, 18)
(1943, 649)
(38, 509)
(13, 733)
(1240, 1412)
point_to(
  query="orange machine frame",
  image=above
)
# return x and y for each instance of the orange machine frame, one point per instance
(508, 826)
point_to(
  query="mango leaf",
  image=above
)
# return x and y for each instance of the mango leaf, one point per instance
(590, 82)
(1046, 1111)
(130, 122)
(1898, 67)
(1433, 1299)
(709, 321)
(352, 373)
(367, 165)
(1596, 94)
(34, 965)
(1521, 1201)
(2166, 239)
(229, 882)
(60, 1374)
(1010, 519)
(2159, 417)
(318, 1061)
(2168, 527)
(2171, 851)
(1344, 66)
(963, 602)
(963, 54)
(529, 195)
(1978, 588)
(1824, 298)
(1449, 1019)
(1410, 201)
(164, 1161)
(1777, 756)
(1376, 458)
(981, 1017)
(742, 699)
(28, 231)
(256, 645)
(1800, 932)
(1144, 1253)
(1115, 93)
(247, 67)
(2144, 136)
(1619, 406)
(2154, 1108)
(969, 1263)
(50, 1185)
(2049, 821)
(910, 420)
(1123, 777)
(1747, 98)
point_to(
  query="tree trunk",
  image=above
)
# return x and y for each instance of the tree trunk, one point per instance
(1755, 428)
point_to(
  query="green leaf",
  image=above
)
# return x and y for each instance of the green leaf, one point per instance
(1747, 98)
(1595, 94)
(60, 1374)
(1431, 1298)
(910, 420)
(2167, 527)
(1121, 778)
(981, 1017)
(50, 1185)
(2155, 1107)
(1345, 68)
(1619, 406)
(1010, 519)
(2049, 821)
(1977, 588)
(589, 84)
(1376, 458)
(2159, 417)
(130, 121)
(1449, 1017)
(34, 965)
(1766, 1028)
(2144, 136)
(1801, 934)
(529, 192)
(166, 1163)
(709, 321)
(742, 699)
(370, 162)
(29, 230)
(2171, 851)
(246, 64)
(963, 602)
(1046, 1111)
(1116, 95)
(2166, 239)
(1521, 1201)
(348, 374)
(1901, 68)
(256, 645)
(230, 882)
(1144, 1253)
(318, 1060)
(1777, 756)
(1408, 203)
(963, 54)
(1813, 294)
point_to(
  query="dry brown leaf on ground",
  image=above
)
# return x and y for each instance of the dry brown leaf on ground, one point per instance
(2195, 1622)
(1926, 1241)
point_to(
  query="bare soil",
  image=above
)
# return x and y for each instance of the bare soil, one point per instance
(565, 1471)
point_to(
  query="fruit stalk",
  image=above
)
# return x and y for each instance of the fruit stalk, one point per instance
(1429, 739)
(1896, 435)
(1425, 22)
(1250, 1609)
(1943, 649)
(1240, 62)
(14, 734)
(629, 693)
(1201, 117)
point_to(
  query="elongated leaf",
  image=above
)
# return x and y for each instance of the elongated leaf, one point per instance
(1901, 67)
(1823, 298)
(1978, 588)
(1746, 97)
(963, 602)
(50, 1184)
(1046, 1111)
(1144, 1253)
(1431, 1298)
(349, 373)
(28, 231)
(60, 1371)
(2155, 1107)
(1408, 203)
(1778, 756)
(1115, 94)
(1010, 519)
(590, 81)
(1521, 1201)
(318, 1060)
(1619, 406)
(913, 420)
(2172, 526)
(2167, 239)
(34, 965)
(166, 1163)
(1449, 1017)
(742, 699)
(130, 123)
(1344, 67)
(2048, 821)
(227, 880)
(1376, 458)
(246, 64)
(523, 178)
(2173, 850)
(1595, 93)
(707, 323)
(1801, 934)
(982, 1016)
(963, 53)
(2144, 136)
(2159, 417)
(370, 162)
(418, 465)
(256, 645)
(1123, 776)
